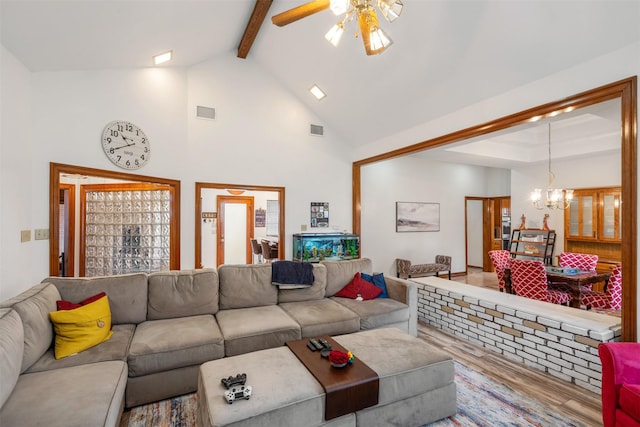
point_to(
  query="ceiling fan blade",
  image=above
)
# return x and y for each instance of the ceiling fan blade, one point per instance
(302, 11)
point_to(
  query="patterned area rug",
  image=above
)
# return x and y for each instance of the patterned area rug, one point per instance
(482, 402)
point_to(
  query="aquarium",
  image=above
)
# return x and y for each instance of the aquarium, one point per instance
(315, 247)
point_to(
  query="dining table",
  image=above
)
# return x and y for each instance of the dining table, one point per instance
(571, 280)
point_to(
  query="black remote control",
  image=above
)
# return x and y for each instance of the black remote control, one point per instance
(314, 342)
(325, 344)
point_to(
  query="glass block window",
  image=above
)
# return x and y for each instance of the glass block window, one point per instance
(127, 229)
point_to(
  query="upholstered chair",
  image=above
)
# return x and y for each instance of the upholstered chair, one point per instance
(269, 253)
(500, 259)
(620, 384)
(583, 262)
(611, 298)
(529, 279)
(256, 248)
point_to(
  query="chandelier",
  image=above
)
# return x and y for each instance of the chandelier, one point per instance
(555, 198)
(374, 38)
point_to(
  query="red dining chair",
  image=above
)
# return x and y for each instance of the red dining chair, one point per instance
(583, 262)
(529, 279)
(611, 298)
(500, 259)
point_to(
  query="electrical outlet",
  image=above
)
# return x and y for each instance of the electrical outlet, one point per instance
(25, 235)
(41, 234)
(303, 227)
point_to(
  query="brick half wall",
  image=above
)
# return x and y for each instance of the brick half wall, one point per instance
(561, 341)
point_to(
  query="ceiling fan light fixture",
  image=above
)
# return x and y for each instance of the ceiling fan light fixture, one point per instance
(334, 35)
(390, 9)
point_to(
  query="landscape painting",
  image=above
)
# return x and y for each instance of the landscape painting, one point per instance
(416, 216)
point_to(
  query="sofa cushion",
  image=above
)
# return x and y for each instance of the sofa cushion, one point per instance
(78, 396)
(127, 294)
(377, 280)
(81, 328)
(630, 399)
(34, 306)
(360, 289)
(115, 349)
(339, 273)
(256, 328)
(322, 317)
(161, 345)
(377, 312)
(308, 293)
(182, 293)
(406, 366)
(11, 350)
(244, 286)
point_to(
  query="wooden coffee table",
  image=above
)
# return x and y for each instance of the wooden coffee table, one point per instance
(348, 389)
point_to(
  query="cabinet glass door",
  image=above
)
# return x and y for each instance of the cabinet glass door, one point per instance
(611, 216)
(582, 216)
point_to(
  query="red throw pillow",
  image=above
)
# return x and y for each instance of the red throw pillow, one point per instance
(359, 286)
(68, 305)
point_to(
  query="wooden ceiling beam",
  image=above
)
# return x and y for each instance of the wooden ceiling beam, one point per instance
(253, 26)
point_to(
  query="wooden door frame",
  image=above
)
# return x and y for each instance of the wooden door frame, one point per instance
(70, 226)
(221, 186)
(222, 200)
(487, 229)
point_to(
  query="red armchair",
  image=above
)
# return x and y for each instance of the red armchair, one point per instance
(620, 383)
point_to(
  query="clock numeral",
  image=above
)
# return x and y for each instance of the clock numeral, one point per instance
(144, 140)
(146, 149)
(112, 150)
(142, 157)
(129, 127)
(108, 140)
(120, 128)
(128, 163)
(119, 157)
(137, 162)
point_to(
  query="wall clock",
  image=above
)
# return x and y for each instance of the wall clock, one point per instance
(126, 145)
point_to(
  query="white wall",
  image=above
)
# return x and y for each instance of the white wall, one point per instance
(17, 208)
(260, 136)
(415, 179)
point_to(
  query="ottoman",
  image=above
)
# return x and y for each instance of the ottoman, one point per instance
(416, 385)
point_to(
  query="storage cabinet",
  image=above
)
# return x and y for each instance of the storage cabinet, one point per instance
(528, 243)
(315, 247)
(593, 225)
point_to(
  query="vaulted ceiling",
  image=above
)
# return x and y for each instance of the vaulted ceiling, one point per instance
(446, 54)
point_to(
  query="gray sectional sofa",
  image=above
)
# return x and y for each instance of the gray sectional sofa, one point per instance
(165, 325)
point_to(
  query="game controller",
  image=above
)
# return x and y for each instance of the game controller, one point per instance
(239, 379)
(244, 392)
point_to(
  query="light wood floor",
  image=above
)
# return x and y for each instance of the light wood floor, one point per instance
(566, 398)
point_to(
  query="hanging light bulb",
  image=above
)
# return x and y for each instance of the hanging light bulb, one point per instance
(334, 35)
(390, 9)
(338, 7)
(375, 40)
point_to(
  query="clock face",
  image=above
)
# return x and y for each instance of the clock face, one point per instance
(126, 145)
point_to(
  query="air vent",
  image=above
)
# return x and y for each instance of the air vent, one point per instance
(206, 112)
(317, 130)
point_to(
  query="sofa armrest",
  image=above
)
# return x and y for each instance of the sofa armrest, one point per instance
(620, 365)
(405, 292)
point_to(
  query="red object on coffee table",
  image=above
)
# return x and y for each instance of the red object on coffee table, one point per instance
(349, 389)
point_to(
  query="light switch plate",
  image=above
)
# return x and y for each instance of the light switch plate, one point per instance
(41, 234)
(303, 227)
(25, 235)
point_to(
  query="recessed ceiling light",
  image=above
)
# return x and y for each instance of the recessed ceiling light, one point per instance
(163, 57)
(317, 92)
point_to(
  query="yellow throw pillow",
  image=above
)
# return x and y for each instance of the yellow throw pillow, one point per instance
(81, 328)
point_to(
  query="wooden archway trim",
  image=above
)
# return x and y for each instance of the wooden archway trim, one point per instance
(626, 91)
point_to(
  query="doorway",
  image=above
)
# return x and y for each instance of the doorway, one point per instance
(235, 220)
(66, 246)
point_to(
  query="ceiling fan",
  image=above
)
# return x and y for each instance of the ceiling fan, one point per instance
(374, 38)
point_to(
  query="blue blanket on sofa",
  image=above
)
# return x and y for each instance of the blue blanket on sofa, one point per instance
(291, 273)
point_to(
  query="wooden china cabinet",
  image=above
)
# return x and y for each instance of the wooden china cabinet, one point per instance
(592, 224)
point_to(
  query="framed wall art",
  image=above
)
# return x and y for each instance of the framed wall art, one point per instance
(417, 216)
